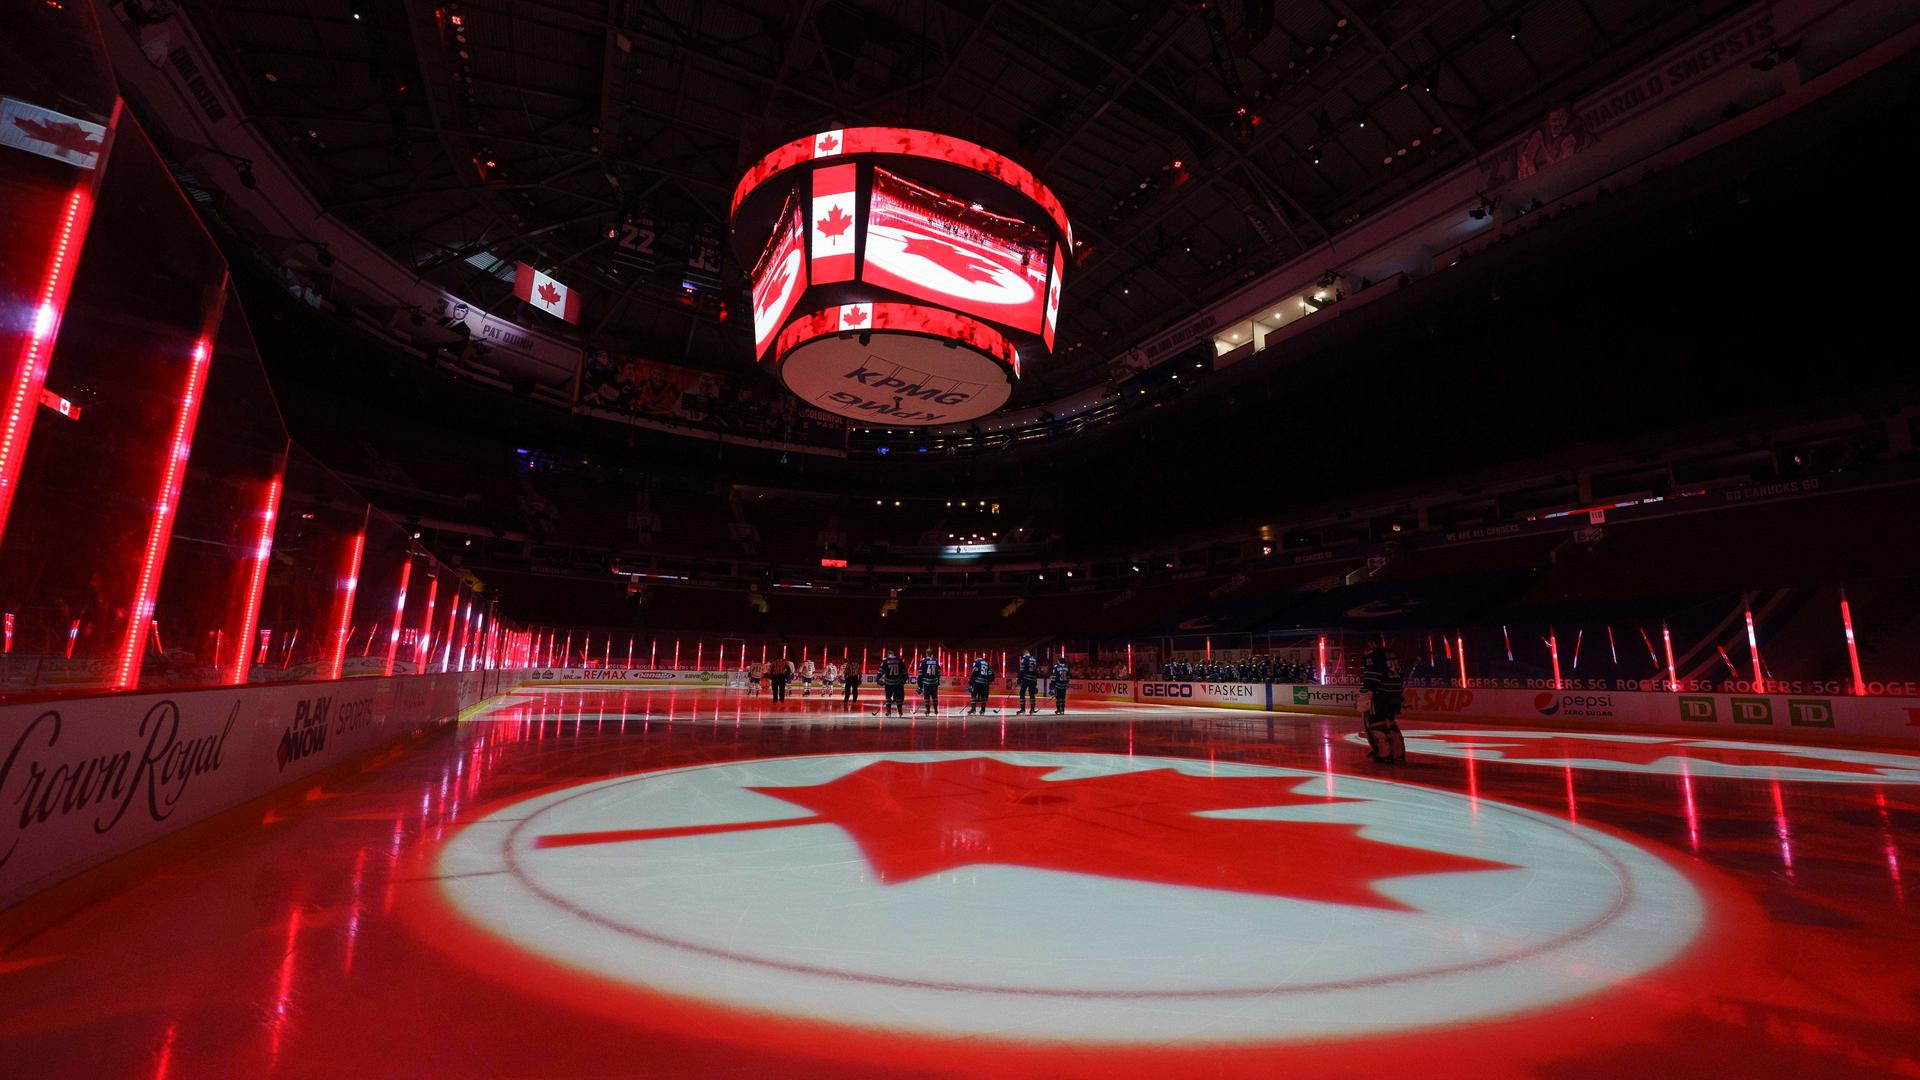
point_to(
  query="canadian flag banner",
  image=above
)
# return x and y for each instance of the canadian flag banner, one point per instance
(832, 224)
(1053, 298)
(856, 316)
(828, 143)
(545, 293)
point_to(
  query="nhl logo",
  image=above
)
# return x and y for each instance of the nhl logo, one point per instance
(1066, 898)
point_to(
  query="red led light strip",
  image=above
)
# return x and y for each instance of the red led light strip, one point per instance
(1853, 650)
(423, 652)
(159, 530)
(904, 142)
(399, 610)
(30, 376)
(348, 587)
(256, 581)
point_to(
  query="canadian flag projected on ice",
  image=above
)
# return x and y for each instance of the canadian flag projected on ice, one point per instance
(545, 293)
(831, 224)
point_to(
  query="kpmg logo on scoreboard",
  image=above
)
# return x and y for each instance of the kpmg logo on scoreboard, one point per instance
(895, 391)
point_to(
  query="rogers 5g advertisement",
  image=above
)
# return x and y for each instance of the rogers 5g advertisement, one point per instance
(779, 279)
(926, 244)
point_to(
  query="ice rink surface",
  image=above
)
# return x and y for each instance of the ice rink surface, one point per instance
(658, 882)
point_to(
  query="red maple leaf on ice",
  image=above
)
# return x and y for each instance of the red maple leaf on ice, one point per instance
(1574, 748)
(834, 223)
(912, 819)
(854, 317)
(827, 143)
(69, 137)
(960, 264)
(548, 294)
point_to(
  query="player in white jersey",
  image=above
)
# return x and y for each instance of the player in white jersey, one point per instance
(806, 678)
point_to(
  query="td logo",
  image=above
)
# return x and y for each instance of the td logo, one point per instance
(1698, 709)
(1809, 712)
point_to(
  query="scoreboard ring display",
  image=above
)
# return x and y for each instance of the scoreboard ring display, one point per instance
(899, 277)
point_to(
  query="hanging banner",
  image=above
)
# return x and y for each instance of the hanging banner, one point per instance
(634, 244)
(543, 292)
(703, 260)
(651, 393)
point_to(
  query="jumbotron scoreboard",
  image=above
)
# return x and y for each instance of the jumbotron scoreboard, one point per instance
(900, 277)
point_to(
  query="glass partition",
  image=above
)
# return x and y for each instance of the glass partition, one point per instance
(158, 529)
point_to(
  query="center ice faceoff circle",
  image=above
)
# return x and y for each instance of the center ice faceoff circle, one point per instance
(1068, 897)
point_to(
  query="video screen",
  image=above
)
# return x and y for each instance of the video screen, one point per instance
(779, 278)
(931, 245)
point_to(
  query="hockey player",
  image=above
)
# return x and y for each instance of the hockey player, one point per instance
(806, 678)
(829, 678)
(1027, 675)
(893, 681)
(1381, 691)
(850, 684)
(928, 679)
(756, 672)
(979, 680)
(1060, 676)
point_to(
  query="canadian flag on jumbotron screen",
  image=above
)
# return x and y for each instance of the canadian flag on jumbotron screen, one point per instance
(1053, 297)
(830, 224)
(827, 143)
(856, 316)
(545, 293)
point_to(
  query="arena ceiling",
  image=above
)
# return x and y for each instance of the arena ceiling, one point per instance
(1194, 144)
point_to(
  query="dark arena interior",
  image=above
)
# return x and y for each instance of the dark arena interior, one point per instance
(959, 538)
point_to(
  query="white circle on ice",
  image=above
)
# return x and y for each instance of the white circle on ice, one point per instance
(791, 920)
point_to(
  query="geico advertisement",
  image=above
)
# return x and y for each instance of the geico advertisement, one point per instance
(1232, 695)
